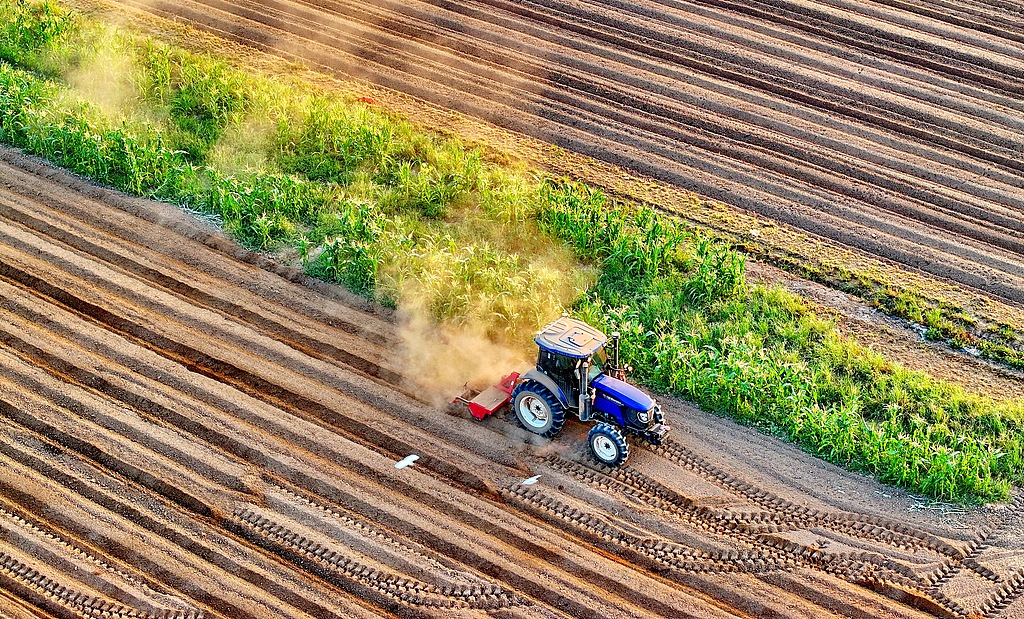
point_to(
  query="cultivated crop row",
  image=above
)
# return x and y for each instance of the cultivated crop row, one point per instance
(774, 110)
(680, 297)
(416, 45)
(208, 460)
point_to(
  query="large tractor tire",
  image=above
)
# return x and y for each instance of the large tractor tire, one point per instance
(608, 444)
(538, 409)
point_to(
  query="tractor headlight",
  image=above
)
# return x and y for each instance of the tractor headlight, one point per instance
(644, 417)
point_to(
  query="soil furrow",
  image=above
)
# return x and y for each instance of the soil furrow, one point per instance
(125, 258)
(245, 381)
(105, 461)
(937, 266)
(485, 19)
(964, 16)
(662, 117)
(253, 12)
(144, 225)
(818, 63)
(350, 468)
(943, 60)
(174, 555)
(767, 81)
(630, 23)
(190, 421)
(979, 22)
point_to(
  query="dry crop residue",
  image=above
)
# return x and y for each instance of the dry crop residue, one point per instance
(187, 434)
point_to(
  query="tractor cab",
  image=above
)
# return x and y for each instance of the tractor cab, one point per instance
(574, 373)
(567, 349)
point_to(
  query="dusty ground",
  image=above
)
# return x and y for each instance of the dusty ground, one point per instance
(189, 429)
(893, 128)
(186, 431)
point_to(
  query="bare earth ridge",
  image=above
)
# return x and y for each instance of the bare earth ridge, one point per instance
(891, 127)
(187, 433)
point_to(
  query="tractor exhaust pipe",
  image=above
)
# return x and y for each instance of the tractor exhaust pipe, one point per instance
(615, 370)
(615, 350)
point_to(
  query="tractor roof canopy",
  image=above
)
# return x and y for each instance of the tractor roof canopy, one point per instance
(570, 337)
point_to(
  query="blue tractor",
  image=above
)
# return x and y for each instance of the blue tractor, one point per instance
(574, 374)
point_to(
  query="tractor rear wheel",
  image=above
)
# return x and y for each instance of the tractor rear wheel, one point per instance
(538, 409)
(608, 445)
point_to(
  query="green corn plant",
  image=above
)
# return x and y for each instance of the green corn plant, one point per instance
(374, 204)
(31, 30)
(349, 262)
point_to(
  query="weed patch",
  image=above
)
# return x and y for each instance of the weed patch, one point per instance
(943, 322)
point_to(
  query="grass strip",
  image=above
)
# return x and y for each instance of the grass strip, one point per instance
(356, 196)
(692, 326)
(961, 328)
(411, 219)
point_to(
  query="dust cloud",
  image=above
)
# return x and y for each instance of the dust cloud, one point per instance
(446, 359)
(103, 79)
(501, 308)
(243, 146)
(475, 351)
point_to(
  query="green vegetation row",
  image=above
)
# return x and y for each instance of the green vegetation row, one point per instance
(414, 220)
(359, 197)
(945, 322)
(692, 326)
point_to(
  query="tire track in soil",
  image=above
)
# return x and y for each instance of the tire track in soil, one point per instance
(235, 472)
(201, 509)
(90, 451)
(148, 533)
(565, 72)
(96, 453)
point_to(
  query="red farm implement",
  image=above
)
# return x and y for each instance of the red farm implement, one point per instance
(488, 401)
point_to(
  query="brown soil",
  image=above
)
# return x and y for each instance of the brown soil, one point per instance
(188, 433)
(191, 430)
(892, 128)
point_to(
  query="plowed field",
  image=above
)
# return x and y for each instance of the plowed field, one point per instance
(893, 127)
(185, 432)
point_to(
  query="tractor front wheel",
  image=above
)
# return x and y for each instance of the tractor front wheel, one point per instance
(608, 445)
(537, 409)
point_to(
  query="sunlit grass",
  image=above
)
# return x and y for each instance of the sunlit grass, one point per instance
(363, 198)
(691, 326)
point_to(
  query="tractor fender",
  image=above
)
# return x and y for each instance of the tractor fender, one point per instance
(545, 380)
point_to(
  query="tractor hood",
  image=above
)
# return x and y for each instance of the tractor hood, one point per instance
(623, 392)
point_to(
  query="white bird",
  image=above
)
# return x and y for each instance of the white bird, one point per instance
(407, 461)
(531, 481)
